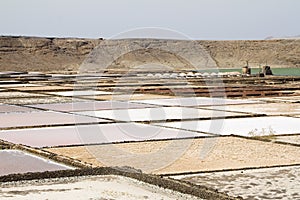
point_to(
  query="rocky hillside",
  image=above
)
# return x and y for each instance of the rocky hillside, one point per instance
(43, 54)
(277, 53)
(67, 54)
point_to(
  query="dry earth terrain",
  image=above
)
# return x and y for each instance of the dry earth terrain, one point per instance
(67, 54)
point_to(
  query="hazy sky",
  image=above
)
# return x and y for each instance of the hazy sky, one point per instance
(198, 19)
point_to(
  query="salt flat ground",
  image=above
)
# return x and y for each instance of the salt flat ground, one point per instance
(159, 134)
(90, 187)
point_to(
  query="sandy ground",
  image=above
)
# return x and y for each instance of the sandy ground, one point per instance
(181, 156)
(268, 109)
(93, 187)
(5, 94)
(41, 100)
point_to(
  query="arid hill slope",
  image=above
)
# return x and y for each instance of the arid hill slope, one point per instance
(43, 54)
(277, 53)
(67, 54)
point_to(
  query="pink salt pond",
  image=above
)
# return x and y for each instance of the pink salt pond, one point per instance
(4, 108)
(14, 120)
(93, 134)
(91, 105)
(10, 163)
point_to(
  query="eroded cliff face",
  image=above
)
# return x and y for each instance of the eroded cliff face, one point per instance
(67, 54)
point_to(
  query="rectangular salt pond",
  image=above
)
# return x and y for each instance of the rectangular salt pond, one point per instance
(6, 94)
(249, 127)
(15, 161)
(189, 155)
(269, 183)
(4, 108)
(195, 101)
(125, 97)
(43, 88)
(160, 114)
(18, 85)
(91, 134)
(40, 100)
(47, 118)
(91, 105)
(290, 139)
(104, 187)
(79, 93)
(283, 99)
(267, 108)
